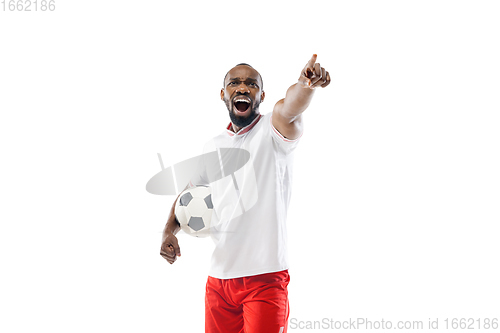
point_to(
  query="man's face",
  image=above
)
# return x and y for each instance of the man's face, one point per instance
(242, 93)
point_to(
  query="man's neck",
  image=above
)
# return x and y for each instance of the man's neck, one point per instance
(235, 128)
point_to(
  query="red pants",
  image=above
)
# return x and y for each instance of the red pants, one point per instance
(252, 304)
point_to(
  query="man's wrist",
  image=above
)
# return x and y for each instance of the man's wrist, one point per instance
(304, 86)
(172, 226)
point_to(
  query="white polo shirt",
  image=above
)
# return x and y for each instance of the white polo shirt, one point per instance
(250, 206)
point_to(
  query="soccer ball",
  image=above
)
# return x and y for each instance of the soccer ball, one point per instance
(194, 210)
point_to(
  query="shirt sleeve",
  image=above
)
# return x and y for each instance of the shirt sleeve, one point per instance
(284, 144)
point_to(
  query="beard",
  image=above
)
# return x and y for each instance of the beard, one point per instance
(239, 120)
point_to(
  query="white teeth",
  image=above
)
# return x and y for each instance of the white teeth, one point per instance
(241, 100)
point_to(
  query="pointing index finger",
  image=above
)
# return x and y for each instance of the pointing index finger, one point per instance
(312, 61)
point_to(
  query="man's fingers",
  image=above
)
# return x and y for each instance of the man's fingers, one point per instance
(313, 75)
(318, 77)
(309, 67)
(170, 259)
(170, 252)
(171, 245)
(322, 78)
(173, 250)
(317, 69)
(166, 256)
(327, 82)
(167, 253)
(176, 248)
(311, 62)
(170, 249)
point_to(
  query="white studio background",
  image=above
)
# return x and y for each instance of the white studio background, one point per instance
(395, 209)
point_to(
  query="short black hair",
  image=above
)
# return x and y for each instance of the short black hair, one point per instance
(244, 64)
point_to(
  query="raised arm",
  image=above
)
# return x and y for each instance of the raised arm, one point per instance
(287, 112)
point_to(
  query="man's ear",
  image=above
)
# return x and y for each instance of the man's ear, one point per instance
(262, 96)
(222, 94)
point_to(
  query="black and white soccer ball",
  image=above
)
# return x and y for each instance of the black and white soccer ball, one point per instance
(194, 210)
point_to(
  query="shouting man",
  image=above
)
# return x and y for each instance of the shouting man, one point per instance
(246, 289)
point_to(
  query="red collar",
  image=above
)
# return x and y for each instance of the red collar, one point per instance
(244, 129)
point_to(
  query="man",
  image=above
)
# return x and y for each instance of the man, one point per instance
(247, 285)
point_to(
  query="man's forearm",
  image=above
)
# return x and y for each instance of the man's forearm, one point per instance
(172, 225)
(169, 245)
(298, 96)
(297, 100)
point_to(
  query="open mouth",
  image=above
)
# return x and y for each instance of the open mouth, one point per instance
(241, 104)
